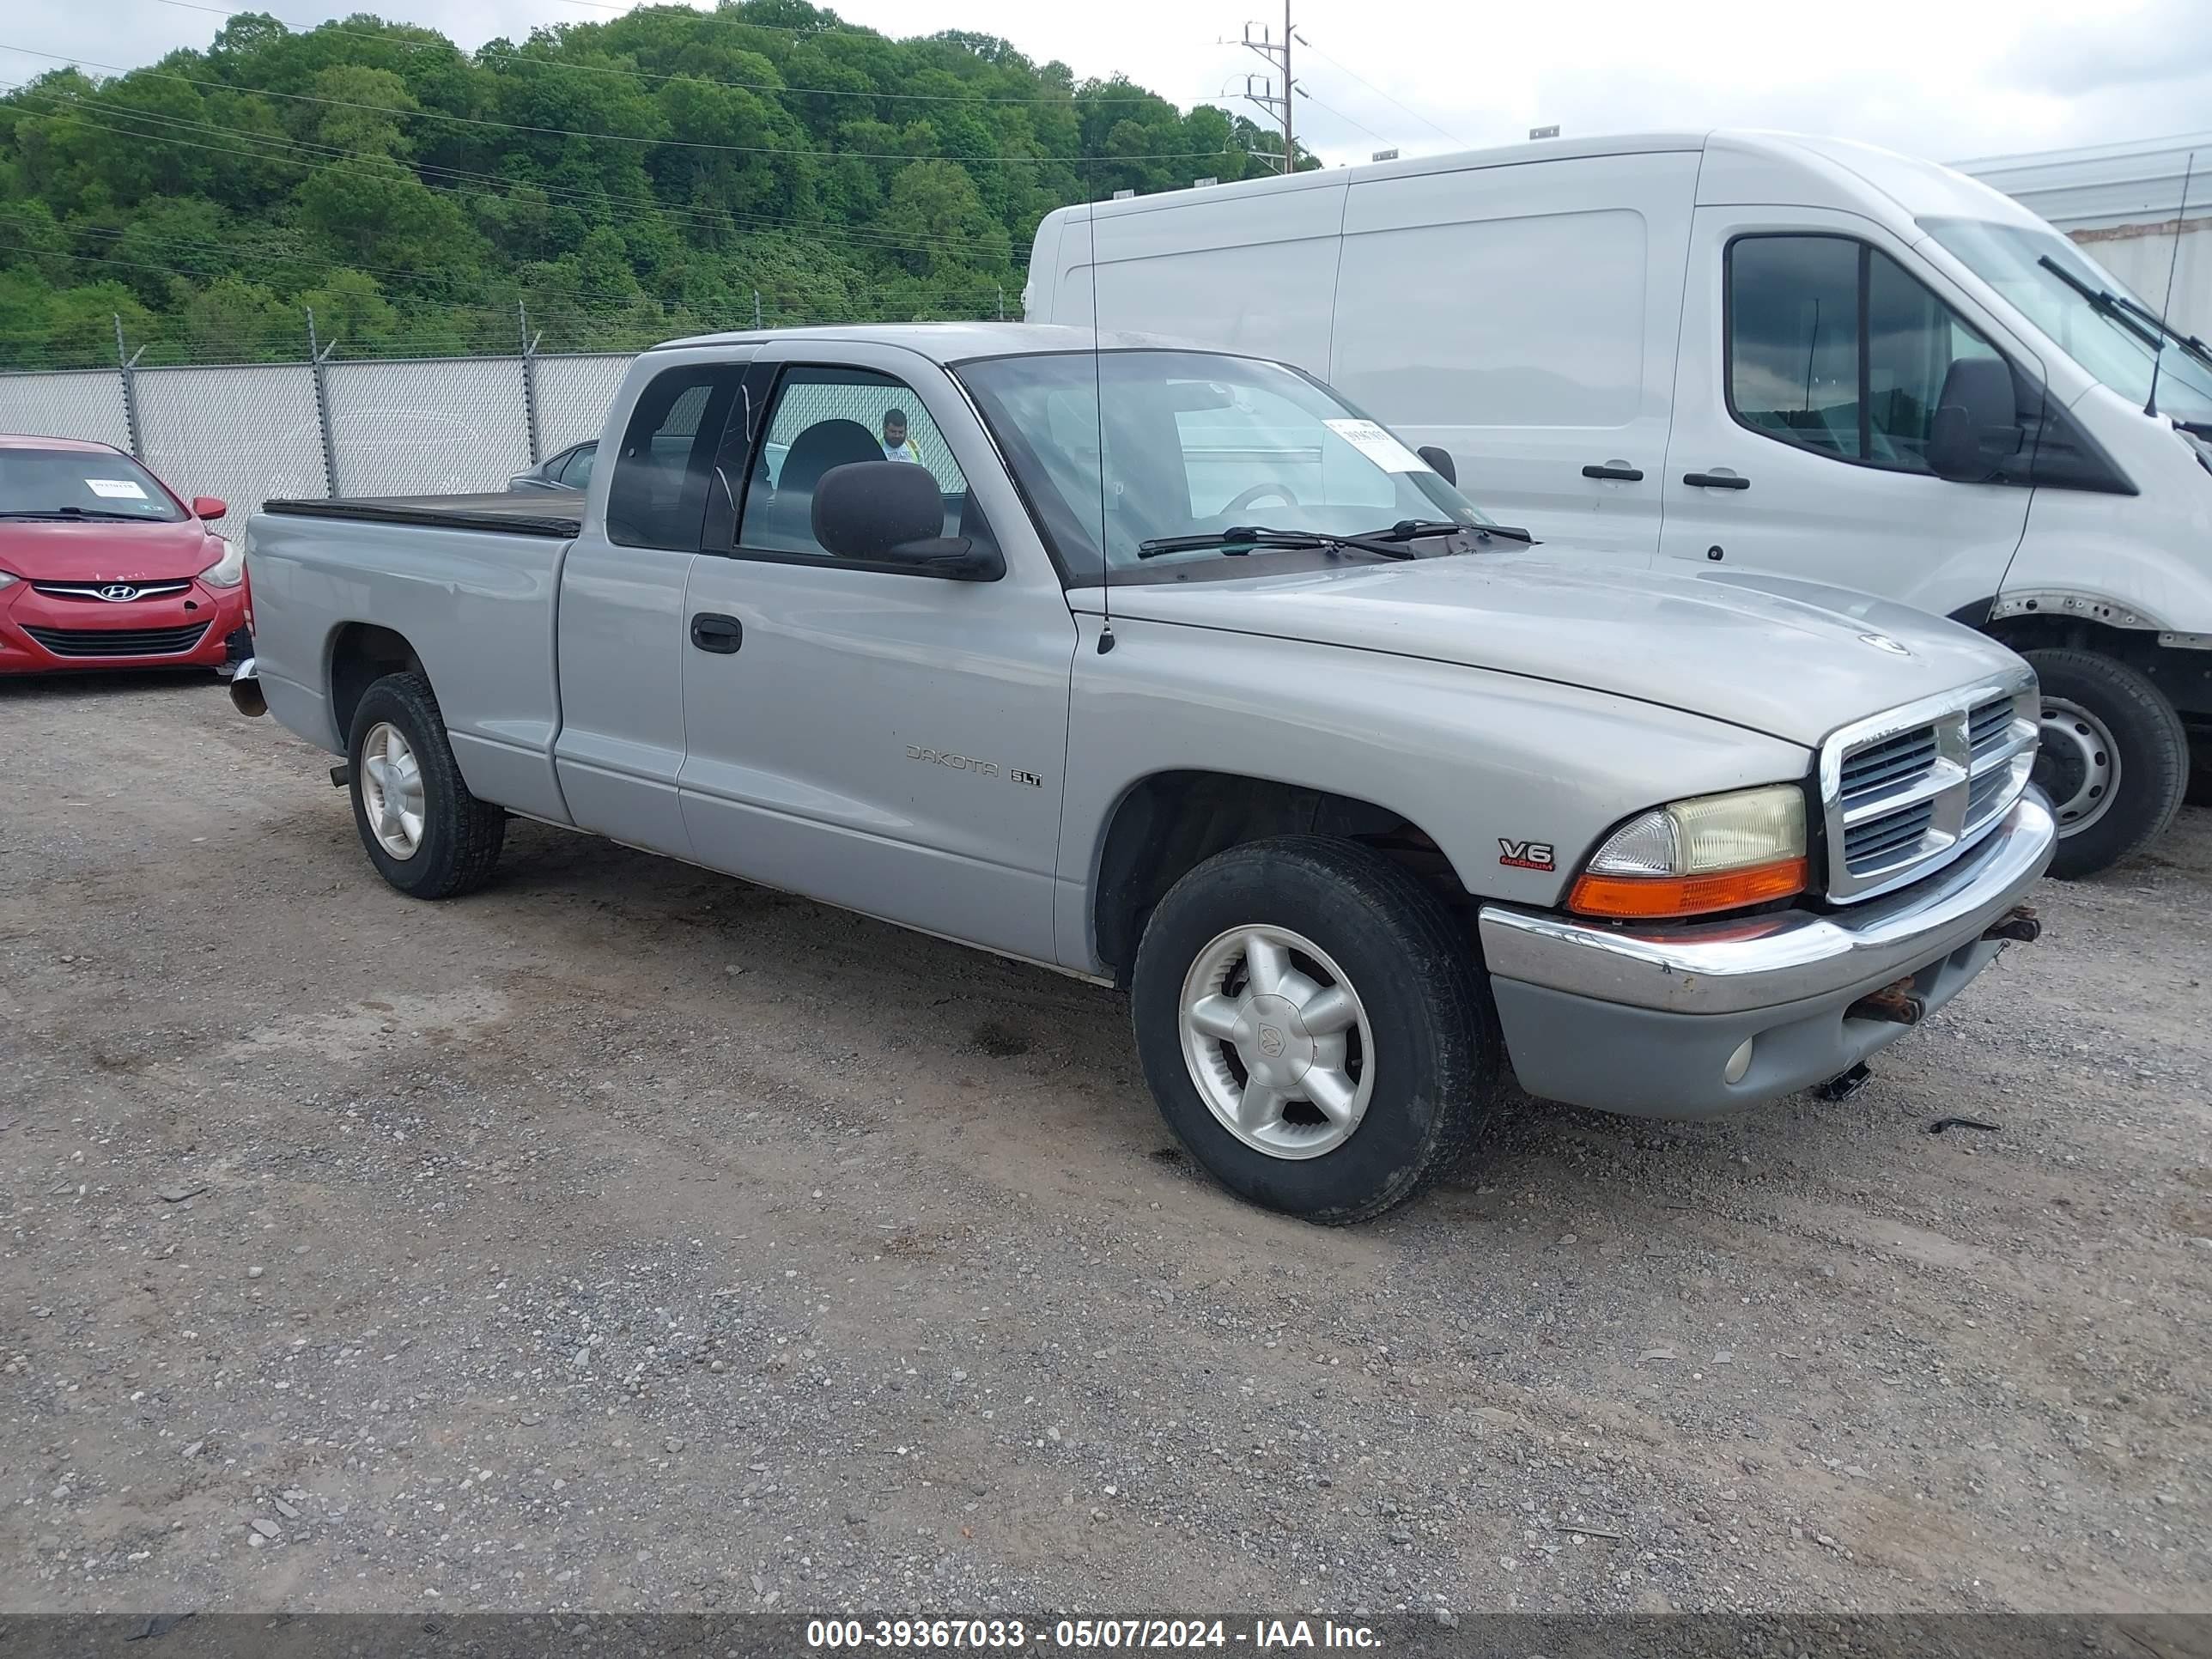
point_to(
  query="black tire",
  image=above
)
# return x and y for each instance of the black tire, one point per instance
(2151, 748)
(461, 835)
(1438, 1057)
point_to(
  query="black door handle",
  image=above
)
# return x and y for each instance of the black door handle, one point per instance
(711, 631)
(1625, 474)
(1716, 481)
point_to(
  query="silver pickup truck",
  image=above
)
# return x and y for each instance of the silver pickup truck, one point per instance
(1166, 668)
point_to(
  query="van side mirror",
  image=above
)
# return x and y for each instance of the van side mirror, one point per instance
(892, 513)
(1440, 462)
(208, 507)
(1976, 425)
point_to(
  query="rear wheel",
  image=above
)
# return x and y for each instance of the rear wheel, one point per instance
(1312, 1026)
(422, 829)
(2114, 757)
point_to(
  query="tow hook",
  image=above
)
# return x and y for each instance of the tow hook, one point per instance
(1897, 1004)
(245, 691)
(1845, 1085)
(2019, 924)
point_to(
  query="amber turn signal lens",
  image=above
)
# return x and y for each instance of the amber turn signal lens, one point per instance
(1657, 898)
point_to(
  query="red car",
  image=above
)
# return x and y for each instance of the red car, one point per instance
(103, 565)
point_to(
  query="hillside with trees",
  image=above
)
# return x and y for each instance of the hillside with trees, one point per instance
(620, 181)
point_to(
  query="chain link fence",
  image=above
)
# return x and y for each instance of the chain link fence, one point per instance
(325, 426)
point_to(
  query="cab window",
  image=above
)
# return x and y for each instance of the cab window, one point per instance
(657, 496)
(822, 417)
(1833, 347)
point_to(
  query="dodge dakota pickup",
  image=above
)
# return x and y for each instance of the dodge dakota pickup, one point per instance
(1167, 668)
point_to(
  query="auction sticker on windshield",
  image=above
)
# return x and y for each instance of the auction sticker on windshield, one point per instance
(1378, 446)
(115, 489)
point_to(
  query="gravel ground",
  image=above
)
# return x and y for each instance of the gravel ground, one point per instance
(628, 1237)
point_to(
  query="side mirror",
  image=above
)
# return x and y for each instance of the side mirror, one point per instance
(208, 507)
(1440, 460)
(892, 513)
(1976, 424)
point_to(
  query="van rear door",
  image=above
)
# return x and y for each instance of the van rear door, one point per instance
(1523, 317)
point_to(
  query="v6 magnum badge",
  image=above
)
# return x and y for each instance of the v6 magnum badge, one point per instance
(1525, 854)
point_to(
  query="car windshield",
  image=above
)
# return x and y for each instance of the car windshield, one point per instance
(2115, 341)
(80, 484)
(1193, 445)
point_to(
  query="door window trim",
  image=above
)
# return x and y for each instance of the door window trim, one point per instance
(764, 384)
(1864, 276)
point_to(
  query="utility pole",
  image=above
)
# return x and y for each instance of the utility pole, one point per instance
(1275, 53)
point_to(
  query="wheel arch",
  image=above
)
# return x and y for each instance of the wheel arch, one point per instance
(2183, 674)
(359, 654)
(1166, 824)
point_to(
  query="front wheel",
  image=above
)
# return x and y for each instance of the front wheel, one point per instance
(424, 831)
(2113, 758)
(1312, 1026)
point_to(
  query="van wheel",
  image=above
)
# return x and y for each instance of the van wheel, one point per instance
(424, 831)
(1311, 1024)
(2114, 757)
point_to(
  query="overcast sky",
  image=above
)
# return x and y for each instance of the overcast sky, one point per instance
(1946, 79)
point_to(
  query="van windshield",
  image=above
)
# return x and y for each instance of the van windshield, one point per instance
(1194, 444)
(2111, 341)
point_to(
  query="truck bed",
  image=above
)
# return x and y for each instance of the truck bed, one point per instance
(557, 514)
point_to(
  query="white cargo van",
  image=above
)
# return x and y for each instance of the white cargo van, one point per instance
(1797, 355)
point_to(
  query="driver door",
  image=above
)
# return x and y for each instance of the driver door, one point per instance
(885, 740)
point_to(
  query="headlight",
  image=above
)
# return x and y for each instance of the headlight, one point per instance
(227, 571)
(1694, 857)
(9, 580)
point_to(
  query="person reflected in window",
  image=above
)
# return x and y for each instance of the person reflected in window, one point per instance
(897, 446)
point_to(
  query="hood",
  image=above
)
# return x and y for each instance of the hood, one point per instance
(101, 550)
(1793, 659)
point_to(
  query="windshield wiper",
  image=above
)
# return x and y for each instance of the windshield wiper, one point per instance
(2189, 343)
(65, 513)
(2104, 300)
(1240, 539)
(1407, 529)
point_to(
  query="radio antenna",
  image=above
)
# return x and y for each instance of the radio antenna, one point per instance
(2166, 306)
(1098, 391)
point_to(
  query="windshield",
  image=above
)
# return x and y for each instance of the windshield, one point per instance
(87, 483)
(2113, 345)
(1194, 444)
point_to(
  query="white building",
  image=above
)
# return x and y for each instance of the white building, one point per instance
(2122, 203)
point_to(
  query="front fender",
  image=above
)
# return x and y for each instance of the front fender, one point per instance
(1474, 758)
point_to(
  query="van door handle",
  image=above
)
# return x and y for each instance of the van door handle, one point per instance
(711, 631)
(1625, 474)
(1714, 480)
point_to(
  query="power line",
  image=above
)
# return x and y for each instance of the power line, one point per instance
(1379, 93)
(1342, 116)
(607, 138)
(1069, 100)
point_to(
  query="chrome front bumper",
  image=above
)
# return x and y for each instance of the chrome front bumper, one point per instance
(1647, 1019)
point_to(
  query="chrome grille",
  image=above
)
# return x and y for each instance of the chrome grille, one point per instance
(113, 593)
(1906, 791)
(1886, 765)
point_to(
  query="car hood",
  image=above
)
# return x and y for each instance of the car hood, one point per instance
(1793, 659)
(101, 549)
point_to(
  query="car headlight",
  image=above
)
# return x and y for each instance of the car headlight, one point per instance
(8, 579)
(1691, 858)
(227, 571)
